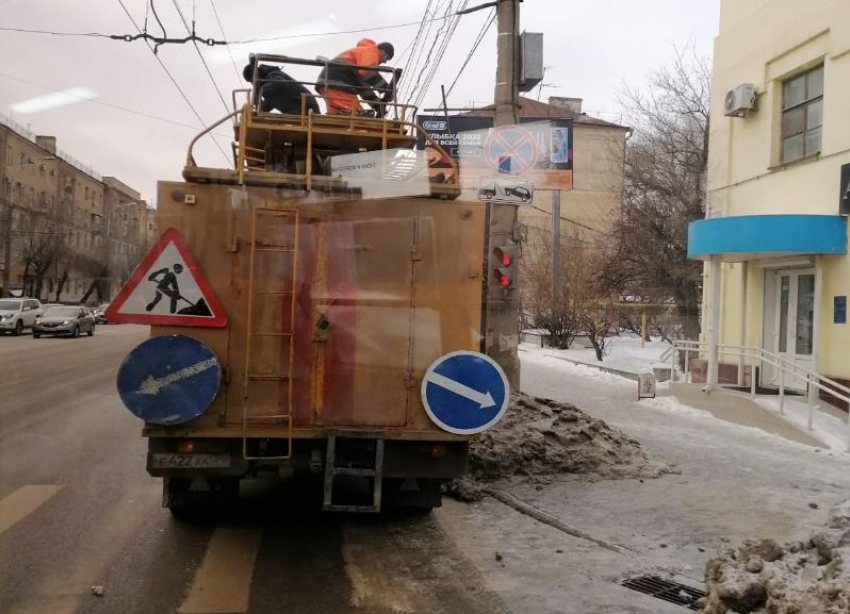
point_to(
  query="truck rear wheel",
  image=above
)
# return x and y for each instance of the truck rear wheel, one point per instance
(412, 495)
(193, 499)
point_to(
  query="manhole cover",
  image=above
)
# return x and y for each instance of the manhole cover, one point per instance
(666, 590)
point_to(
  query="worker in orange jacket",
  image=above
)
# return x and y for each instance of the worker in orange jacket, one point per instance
(352, 74)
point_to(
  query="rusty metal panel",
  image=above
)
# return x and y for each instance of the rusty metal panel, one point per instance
(383, 289)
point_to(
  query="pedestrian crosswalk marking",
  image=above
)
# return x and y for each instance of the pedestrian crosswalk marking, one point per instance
(23, 502)
(222, 584)
(62, 591)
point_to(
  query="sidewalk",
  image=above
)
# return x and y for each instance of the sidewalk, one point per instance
(734, 483)
(736, 408)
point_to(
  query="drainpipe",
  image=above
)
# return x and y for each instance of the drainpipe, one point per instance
(813, 391)
(742, 358)
(714, 322)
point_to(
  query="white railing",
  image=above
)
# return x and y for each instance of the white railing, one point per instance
(814, 382)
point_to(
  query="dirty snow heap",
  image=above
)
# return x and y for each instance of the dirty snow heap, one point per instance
(540, 440)
(810, 577)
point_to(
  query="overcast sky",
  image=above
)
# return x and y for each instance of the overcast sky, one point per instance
(591, 48)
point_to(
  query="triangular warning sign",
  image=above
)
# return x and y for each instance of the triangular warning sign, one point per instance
(167, 289)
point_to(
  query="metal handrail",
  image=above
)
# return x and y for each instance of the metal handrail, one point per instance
(723, 349)
(391, 90)
(813, 379)
(190, 159)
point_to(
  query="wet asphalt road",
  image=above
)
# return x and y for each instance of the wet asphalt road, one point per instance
(78, 510)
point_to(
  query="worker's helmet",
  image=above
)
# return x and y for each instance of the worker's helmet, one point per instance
(388, 49)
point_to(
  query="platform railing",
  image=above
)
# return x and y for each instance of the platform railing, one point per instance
(759, 357)
(245, 118)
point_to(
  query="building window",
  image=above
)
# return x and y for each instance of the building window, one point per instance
(802, 115)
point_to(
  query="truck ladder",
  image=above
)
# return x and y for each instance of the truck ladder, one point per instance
(252, 418)
(375, 473)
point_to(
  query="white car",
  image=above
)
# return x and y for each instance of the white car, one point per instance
(16, 314)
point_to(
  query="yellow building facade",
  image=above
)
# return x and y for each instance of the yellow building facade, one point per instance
(775, 235)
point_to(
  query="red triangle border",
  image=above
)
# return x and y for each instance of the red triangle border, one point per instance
(219, 319)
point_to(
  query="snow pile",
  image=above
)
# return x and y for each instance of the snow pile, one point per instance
(540, 439)
(798, 578)
(624, 353)
(537, 356)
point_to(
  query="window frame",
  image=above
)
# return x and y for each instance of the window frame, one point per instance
(803, 105)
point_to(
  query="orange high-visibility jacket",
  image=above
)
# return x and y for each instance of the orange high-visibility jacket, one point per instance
(366, 53)
(362, 80)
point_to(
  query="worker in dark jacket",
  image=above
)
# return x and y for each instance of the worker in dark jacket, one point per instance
(352, 75)
(279, 91)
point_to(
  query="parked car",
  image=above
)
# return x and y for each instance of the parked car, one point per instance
(63, 320)
(100, 314)
(16, 314)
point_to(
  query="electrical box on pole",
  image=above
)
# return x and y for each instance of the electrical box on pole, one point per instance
(531, 44)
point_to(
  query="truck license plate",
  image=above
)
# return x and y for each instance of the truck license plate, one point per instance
(189, 461)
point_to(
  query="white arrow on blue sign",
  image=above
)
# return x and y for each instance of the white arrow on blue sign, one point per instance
(170, 379)
(465, 392)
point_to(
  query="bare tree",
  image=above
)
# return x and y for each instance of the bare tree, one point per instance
(540, 308)
(99, 272)
(585, 298)
(593, 294)
(43, 248)
(666, 168)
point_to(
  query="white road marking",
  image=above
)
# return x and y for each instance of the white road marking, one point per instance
(152, 386)
(484, 400)
(23, 502)
(222, 584)
(64, 590)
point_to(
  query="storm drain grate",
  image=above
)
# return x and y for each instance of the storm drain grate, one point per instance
(672, 592)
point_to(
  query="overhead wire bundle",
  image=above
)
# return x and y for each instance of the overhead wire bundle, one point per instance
(173, 79)
(484, 29)
(451, 25)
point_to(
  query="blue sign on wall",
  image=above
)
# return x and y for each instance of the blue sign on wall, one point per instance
(465, 392)
(169, 379)
(839, 310)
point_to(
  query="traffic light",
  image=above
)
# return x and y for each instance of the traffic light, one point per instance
(506, 270)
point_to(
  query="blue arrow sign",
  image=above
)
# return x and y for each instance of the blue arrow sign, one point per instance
(169, 379)
(465, 392)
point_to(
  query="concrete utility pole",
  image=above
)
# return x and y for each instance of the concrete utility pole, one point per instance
(503, 308)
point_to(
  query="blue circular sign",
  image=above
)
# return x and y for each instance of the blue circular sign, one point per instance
(169, 380)
(465, 392)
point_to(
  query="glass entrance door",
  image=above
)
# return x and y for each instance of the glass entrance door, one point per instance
(794, 322)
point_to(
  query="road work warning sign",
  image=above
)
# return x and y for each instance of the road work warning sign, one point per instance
(167, 289)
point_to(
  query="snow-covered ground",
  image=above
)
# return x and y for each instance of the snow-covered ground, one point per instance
(733, 483)
(826, 428)
(625, 354)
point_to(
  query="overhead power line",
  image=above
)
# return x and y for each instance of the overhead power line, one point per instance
(484, 28)
(224, 35)
(102, 103)
(415, 65)
(162, 40)
(200, 55)
(429, 79)
(174, 81)
(311, 35)
(414, 44)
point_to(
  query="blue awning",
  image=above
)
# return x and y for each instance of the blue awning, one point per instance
(748, 237)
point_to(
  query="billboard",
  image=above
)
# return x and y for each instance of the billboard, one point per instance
(538, 150)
